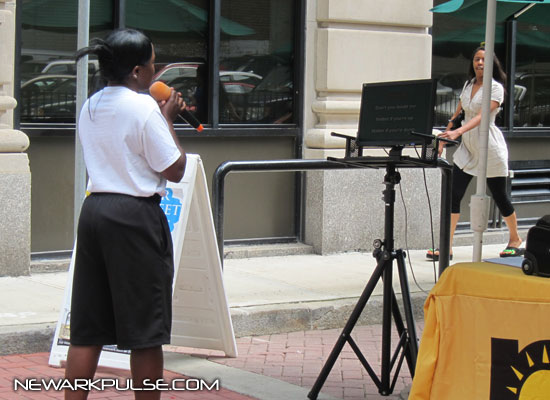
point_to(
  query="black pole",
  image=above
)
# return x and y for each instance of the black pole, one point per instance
(407, 305)
(511, 33)
(214, 64)
(390, 180)
(445, 216)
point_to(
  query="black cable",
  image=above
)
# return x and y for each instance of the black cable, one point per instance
(431, 222)
(431, 216)
(407, 240)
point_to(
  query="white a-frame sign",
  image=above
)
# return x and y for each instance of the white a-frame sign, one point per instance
(200, 313)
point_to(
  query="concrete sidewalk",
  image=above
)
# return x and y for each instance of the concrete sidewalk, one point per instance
(266, 295)
(286, 311)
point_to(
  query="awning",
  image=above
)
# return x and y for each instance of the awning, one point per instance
(463, 41)
(63, 14)
(472, 8)
(175, 16)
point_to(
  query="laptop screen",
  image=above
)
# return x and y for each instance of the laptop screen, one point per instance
(390, 111)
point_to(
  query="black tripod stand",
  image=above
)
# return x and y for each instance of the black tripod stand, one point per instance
(407, 346)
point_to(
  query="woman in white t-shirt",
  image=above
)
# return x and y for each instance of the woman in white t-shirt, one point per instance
(466, 157)
(122, 287)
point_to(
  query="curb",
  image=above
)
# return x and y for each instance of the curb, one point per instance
(247, 321)
(319, 315)
(26, 339)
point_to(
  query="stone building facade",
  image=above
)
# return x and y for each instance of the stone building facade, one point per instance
(15, 178)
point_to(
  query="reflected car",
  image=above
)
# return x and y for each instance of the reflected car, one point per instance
(189, 79)
(246, 96)
(67, 67)
(48, 98)
(32, 68)
(258, 64)
(176, 70)
(272, 99)
(177, 74)
(239, 82)
(180, 76)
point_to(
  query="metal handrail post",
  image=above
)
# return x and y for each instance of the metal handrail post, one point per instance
(218, 181)
(445, 215)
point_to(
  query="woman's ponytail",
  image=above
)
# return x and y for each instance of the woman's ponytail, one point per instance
(119, 53)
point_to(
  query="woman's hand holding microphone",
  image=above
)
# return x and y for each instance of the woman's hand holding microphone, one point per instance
(170, 102)
(172, 105)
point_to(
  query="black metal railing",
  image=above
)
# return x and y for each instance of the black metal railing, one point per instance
(296, 165)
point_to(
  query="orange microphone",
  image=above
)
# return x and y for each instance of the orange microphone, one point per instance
(161, 91)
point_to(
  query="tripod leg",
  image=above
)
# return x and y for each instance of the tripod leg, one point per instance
(386, 329)
(407, 305)
(346, 332)
(400, 326)
(411, 350)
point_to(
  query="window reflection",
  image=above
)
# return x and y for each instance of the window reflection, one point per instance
(532, 108)
(455, 36)
(50, 96)
(190, 79)
(47, 68)
(256, 80)
(179, 31)
(256, 56)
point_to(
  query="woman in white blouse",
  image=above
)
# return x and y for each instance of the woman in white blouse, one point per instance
(466, 157)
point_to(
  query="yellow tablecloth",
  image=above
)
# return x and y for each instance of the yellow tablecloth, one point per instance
(486, 336)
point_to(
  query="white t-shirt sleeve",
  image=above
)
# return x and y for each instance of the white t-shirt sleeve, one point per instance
(497, 92)
(159, 148)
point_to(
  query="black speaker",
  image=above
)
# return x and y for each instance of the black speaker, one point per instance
(537, 250)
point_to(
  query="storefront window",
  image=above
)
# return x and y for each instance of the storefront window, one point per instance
(256, 63)
(455, 37)
(47, 68)
(256, 47)
(532, 78)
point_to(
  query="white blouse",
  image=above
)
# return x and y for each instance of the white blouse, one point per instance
(466, 156)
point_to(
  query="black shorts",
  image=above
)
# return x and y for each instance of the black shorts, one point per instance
(122, 285)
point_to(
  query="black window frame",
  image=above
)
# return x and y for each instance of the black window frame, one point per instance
(214, 128)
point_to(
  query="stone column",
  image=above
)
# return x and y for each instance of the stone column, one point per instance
(15, 176)
(348, 43)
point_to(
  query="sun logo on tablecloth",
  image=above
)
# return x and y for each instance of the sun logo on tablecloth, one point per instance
(523, 375)
(535, 381)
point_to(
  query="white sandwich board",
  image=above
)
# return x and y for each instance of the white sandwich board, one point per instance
(200, 312)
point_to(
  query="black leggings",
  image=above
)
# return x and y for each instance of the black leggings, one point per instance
(497, 186)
